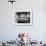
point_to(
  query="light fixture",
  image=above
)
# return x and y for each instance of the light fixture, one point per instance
(12, 1)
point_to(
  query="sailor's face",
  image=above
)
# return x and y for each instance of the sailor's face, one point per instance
(22, 15)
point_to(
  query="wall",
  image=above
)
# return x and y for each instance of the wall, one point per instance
(7, 29)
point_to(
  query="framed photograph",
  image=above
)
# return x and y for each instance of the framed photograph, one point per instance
(23, 18)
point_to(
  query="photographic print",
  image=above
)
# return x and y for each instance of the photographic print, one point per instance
(23, 18)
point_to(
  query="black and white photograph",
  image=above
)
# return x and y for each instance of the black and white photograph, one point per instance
(23, 18)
